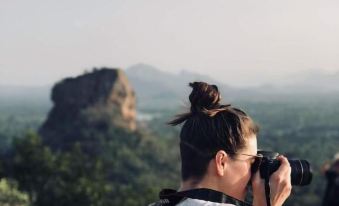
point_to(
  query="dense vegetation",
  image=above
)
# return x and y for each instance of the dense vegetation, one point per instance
(130, 168)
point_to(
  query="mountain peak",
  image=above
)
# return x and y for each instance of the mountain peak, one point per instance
(143, 67)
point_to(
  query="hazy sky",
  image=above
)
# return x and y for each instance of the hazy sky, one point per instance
(239, 42)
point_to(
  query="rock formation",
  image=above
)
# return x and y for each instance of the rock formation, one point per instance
(100, 99)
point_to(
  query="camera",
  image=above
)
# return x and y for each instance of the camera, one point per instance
(301, 172)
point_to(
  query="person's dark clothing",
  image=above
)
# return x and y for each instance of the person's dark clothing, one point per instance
(331, 197)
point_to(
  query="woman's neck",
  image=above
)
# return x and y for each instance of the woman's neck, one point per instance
(210, 183)
(190, 184)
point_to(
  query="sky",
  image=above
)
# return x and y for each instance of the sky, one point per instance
(239, 42)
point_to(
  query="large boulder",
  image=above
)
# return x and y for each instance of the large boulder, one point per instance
(100, 99)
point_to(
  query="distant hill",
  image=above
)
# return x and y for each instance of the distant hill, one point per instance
(312, 81)
(157, 89)
(18, 95)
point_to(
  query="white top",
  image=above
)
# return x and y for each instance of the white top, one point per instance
(196, 202)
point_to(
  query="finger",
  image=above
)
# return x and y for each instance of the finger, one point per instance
(256, 176)
(284, 164)
(258, 184)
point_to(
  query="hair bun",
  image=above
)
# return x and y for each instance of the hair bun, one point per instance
(204, 97)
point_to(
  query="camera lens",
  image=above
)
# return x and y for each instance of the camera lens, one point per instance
(301, 173)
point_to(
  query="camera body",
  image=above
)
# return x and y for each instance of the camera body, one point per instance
(301, 172)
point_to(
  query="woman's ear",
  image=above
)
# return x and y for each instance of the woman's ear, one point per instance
(221, 159)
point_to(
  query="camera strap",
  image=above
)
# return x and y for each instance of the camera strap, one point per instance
(169, 197)
(267, 191)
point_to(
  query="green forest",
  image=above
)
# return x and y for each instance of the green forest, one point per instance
(112, 166)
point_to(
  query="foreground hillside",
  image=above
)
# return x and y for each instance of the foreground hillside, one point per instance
(115, 164)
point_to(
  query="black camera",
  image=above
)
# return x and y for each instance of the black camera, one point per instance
(301, 172)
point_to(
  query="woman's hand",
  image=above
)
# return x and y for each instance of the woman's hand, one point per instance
(280, 182)
(258, 188)
(280, 185)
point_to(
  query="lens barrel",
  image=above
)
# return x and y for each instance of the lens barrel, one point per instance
(301, 172)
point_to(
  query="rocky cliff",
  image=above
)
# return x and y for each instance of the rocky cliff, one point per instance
(100, 99)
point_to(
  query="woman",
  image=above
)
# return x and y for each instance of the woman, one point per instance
(218, 148)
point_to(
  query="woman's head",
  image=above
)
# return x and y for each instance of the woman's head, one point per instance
(210, 127)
